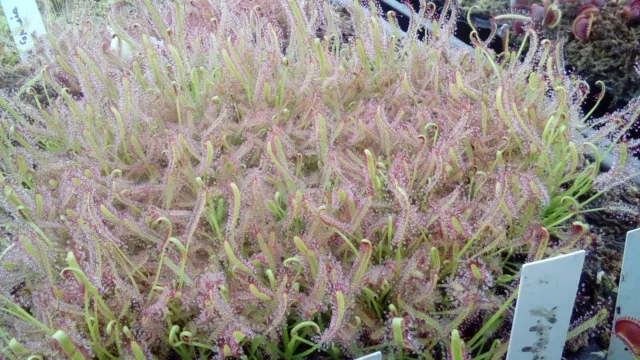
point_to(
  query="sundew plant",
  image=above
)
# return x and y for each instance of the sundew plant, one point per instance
(281, 179)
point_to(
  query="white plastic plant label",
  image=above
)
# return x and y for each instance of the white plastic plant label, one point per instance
(24, 20)
(625, 335)
(374, 356)
(547, 293)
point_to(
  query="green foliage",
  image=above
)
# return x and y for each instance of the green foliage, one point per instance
(212, 178)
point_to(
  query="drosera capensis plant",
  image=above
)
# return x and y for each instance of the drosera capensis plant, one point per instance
(208, 178)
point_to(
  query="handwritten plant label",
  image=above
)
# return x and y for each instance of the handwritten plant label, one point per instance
(24, 20)
(625, 335)
(547, 293)
(374, 356)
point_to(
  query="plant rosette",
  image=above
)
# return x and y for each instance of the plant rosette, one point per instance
(240, 180)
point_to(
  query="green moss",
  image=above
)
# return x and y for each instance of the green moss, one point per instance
(610, 53)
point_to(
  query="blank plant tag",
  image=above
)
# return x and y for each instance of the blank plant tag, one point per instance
(374, 356)
(546, 296)
(625, 335)
(24, 20)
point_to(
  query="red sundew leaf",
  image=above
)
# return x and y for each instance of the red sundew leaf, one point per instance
(529, 237)
(307, 305)
(337, 318)
(404, 219)
(416, 281)
(400, 170)
(379, 273)
(333, 222)
(533, 188)
(360, 268)
(578, 231)
(282, 297)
